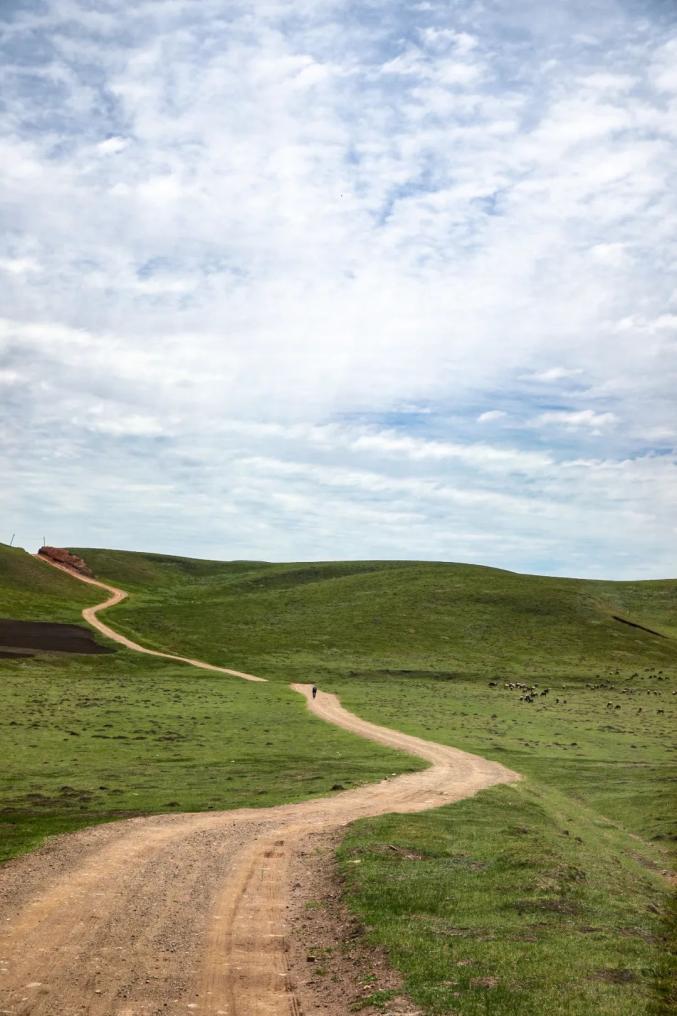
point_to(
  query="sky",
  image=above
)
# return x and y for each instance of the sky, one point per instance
(342, 280)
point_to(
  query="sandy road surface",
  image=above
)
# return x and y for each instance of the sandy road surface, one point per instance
(116, 596)
(187, 913)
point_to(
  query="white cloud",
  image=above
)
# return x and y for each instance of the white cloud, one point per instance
(43, 335)
(490, 415)
(554, 374)
(19, 266)
(132, 425)
(667, 321)
(445, 38)
(385, 443)
(372, 483)
(609, 82)
(343, 239)
(613, 254)
(112, 146)
(664, 67)
(164, 284)
(161, 190)
(577, 418)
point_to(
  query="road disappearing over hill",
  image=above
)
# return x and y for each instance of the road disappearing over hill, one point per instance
(186, 913)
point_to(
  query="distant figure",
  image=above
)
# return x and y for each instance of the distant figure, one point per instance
(314, 691)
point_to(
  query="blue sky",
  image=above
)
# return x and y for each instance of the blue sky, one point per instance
(335, 280)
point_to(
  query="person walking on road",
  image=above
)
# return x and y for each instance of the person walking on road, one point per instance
(314, 691)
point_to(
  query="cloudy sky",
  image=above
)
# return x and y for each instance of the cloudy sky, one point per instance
(329, 279)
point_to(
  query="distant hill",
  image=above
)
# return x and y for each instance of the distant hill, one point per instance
(399, 617)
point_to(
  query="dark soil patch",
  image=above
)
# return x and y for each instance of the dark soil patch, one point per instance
(47, 636)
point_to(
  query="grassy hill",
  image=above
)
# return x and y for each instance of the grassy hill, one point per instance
(89, 738)
(30, 591)
(418, 646)
(545, 896)
(392, 617)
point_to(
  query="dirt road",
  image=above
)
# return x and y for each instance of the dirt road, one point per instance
(186, 913)
(90, 615)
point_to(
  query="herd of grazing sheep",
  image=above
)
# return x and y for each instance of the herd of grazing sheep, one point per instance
(531, 692)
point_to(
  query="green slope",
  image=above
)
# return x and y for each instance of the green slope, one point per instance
(395, 617)
(89, 738)
(542, 897)
(33, 591)
(519, 901)
(429, 648)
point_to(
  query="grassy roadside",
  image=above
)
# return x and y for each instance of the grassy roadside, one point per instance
(32, 591)
(94, 739)
(547, 896)
(618, 761)
(517, 901)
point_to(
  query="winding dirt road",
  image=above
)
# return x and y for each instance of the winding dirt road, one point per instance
(90, 615)
(187, 913)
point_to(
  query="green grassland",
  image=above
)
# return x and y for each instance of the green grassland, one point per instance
(543, 897)
(87, 739)
(517, 901)
(32, 591)
(547, 896)
(619, 761)
(417, 646)
(330, 618)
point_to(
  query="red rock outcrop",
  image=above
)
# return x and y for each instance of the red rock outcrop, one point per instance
(65, 557)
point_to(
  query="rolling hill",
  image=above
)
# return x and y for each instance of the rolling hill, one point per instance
(544, 896)
(392, 617)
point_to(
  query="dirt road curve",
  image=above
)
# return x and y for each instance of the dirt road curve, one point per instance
(186, 913)
(116, 596)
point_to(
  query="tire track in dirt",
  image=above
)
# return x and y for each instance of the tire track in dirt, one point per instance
(187, 913)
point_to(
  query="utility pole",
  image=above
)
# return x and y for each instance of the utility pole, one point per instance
(11, 542)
